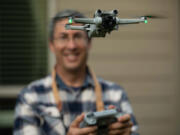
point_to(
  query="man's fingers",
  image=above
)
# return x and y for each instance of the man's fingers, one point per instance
(82, 131)
(95, 133)
(119, 125)
(75, 129)
(88, 130)
(116, 132)
(119, 132)
(111, 107)
(78, 120)
(124, 118)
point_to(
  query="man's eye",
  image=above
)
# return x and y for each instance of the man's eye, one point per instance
(78, 36)
(63, 37)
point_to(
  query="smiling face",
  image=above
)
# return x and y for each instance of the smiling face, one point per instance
(70, 47)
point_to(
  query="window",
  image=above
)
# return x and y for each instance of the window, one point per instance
(23, 49)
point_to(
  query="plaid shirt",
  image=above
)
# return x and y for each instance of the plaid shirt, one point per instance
(36, 112)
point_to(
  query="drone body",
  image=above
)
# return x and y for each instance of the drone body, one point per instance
(102, 23)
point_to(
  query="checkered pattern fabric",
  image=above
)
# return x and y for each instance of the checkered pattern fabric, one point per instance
(36, 112)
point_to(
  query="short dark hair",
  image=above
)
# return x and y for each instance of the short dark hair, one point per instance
(62, 15)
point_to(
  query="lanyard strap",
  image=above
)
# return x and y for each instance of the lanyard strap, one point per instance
(98, 91)
(55, 91)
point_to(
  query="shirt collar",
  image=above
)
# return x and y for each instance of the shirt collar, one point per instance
(87, 82)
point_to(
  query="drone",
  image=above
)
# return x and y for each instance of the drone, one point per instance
(102, 23)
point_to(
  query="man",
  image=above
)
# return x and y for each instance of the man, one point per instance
(56, 105)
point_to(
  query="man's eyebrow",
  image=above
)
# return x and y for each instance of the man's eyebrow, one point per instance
(62, 33)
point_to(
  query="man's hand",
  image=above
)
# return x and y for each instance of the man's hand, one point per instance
(74, 128)
(122, 126)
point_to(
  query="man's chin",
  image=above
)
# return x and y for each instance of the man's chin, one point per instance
(73, 68)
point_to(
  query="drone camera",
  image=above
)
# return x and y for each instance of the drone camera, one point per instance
(99, 11)
(108, 23)
(115, 12)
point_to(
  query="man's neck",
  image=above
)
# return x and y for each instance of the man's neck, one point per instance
(72, 78)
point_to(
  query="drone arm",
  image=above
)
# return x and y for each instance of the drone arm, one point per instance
(97, 20)
(130, 21)
(71, 27)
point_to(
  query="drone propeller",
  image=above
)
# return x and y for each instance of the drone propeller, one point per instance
(150, 16)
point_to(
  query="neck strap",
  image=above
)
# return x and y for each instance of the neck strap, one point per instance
(98, 91)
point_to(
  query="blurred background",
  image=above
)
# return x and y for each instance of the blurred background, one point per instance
(142, 58)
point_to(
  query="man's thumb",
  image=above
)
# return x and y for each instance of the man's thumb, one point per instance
(111, 107)
(78, 120)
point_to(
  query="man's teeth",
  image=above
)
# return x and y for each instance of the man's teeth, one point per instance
(71, 55)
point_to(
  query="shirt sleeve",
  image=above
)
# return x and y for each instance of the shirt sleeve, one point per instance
(126, 108)
(26, 121)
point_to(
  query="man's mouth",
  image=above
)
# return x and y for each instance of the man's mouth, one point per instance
(72, 56)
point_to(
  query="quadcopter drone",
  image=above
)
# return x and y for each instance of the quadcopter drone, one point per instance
(102, 23)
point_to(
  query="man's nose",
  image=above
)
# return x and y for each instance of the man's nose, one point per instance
(71, 44)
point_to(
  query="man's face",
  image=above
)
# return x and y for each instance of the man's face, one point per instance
(70, 47)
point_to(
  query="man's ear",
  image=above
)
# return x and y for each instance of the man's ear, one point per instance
(51, 45)
(89, 44)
